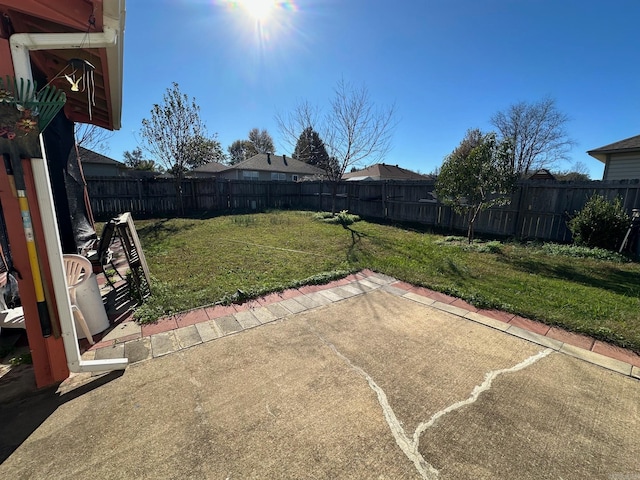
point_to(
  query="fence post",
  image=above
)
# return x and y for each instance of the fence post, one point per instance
(520, 212)
(268, 203)
(384, 199)
(194, 197)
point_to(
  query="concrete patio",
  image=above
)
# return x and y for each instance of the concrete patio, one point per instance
(364, 378)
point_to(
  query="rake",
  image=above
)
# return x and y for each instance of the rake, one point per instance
(23, 94)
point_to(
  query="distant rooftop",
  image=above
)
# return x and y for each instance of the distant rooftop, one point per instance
(89, 156)
(382, 171)
(211, 167)
(266, 162)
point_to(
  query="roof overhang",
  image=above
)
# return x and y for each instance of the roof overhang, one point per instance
(602, 154)
(46, 34)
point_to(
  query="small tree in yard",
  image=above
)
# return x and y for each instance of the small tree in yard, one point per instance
(354, 130)
(476, 176)
(176, 136)
(600, 223)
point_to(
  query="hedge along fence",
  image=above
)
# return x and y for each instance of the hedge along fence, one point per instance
(538, 209)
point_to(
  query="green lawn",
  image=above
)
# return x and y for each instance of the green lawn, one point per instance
(199, 262)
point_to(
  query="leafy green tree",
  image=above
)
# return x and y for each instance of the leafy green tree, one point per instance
(476, 176)
(135, 159)
(310, 149)
(600, 223)
(240, 150)
(261, 141)
(177, 137)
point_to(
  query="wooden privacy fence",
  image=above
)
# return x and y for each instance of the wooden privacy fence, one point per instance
(538, 209)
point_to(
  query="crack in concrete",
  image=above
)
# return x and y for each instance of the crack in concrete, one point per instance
(410, 447)
(475, 393)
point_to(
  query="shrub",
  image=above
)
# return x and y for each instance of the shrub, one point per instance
(600, 223)
(343, 218)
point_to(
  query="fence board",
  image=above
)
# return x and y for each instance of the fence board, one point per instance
(538, 209)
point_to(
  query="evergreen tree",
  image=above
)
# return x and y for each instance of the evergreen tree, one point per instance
(310, 149)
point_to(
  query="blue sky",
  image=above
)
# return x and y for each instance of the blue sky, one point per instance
(447, 65)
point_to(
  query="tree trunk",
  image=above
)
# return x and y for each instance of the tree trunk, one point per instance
(334, 194)
(179, 199)
(472, 220)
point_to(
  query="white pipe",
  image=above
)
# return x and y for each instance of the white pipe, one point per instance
(56, 264)
(111, 38)
(21, 44)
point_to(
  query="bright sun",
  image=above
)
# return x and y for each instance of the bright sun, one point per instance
(259, 9)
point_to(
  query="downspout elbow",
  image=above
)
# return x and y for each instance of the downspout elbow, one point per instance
(22, 43)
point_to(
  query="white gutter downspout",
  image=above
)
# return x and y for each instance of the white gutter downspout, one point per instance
(21, 44)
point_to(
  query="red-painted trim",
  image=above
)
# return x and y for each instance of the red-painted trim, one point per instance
(20, 257)
(70, 13)
(54, 344)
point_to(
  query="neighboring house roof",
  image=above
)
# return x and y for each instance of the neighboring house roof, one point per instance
(211, 167)
(265, 162)
(542, 174)
(207, 170)
(382, 171)
(89, 156)
(628, 145)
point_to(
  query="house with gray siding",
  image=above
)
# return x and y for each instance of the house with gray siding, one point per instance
(621, 159)
(95, 164)
(270, 167)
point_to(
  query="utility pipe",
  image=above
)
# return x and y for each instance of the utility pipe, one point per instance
(54, 251)
(21, 44)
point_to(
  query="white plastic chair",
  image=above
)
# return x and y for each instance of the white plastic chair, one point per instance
(78, 269)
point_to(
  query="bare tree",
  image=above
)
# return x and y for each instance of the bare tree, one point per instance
(177, 137)
(579, 172)
(354, 130)
(537, 132)
(303, 116)
(92, 137)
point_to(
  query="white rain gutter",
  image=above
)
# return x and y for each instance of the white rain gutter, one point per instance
(21, 45)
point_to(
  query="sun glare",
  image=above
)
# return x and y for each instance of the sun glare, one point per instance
(260, 10)
(265, 26)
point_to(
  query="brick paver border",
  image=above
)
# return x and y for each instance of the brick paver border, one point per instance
(209, 323)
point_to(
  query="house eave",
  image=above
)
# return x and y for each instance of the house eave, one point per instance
(602, 154)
